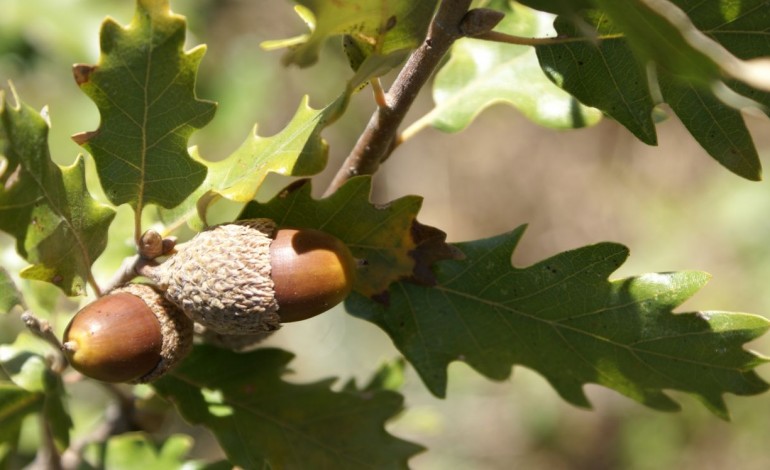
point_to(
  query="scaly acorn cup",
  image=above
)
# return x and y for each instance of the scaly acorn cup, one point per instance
(249, 277)
(133, 334)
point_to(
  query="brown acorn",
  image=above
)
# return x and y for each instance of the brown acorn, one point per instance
(248, 277)
(132, 334)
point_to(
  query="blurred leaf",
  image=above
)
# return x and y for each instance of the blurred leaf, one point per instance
(480, 74)
(380, 29)
(611, 76)
(32, 372)
(654, 35)
(390, 376)
(560, 7)
(563, 318)
(15, 404)
(126, 451)
(58, 226)
(144, 87)
(262, 421)
(9, 295)
(387, 237)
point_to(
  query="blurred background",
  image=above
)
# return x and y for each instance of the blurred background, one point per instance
(672, 205)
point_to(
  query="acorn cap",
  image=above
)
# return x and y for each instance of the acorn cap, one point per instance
(239, 343)
(176, 329)
(221, 278)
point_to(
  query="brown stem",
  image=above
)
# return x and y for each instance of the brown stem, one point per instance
(42, 329)
(376, 141)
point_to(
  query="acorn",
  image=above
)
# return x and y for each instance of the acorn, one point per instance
(249, 276)
(132, 334)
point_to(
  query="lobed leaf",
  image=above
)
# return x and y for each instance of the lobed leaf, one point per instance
(387, 237)
(297, 150)
(480, 74)
(563, 318)
(144, 88)
(125, 450)
(380, 29)
(612, 75)
(58, 226)
(262, 421)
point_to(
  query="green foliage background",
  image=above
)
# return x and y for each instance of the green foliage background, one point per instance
(675, 209)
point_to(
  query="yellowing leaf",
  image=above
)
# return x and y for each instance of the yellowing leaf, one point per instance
(297, 150)
(383, 27)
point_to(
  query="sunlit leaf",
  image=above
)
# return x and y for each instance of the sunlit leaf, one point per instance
(643, 59)
(297, 150)
(144, 87)
(262, 421)
(480, 74)
(126, 450)
(380, 29)
(563, 318)
(58, 226)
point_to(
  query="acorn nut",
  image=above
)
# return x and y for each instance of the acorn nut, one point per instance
(132, 334)
(248, 276)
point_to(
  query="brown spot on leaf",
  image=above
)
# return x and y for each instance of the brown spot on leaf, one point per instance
(82, 138)
(82, 73)
(391, 23)
(431, 247)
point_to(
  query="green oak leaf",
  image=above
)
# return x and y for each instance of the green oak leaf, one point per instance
(611, 76)
(262, 421)
(58, 226)
(15, 404)
(9, 294)
(480, 74)
(297, 150)
(562, 318)
(126, 450)
(654, 36)
(390, 376)
(387, 237)
(558, 7)
(380, 30)
(31, 371)
(144, 87)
